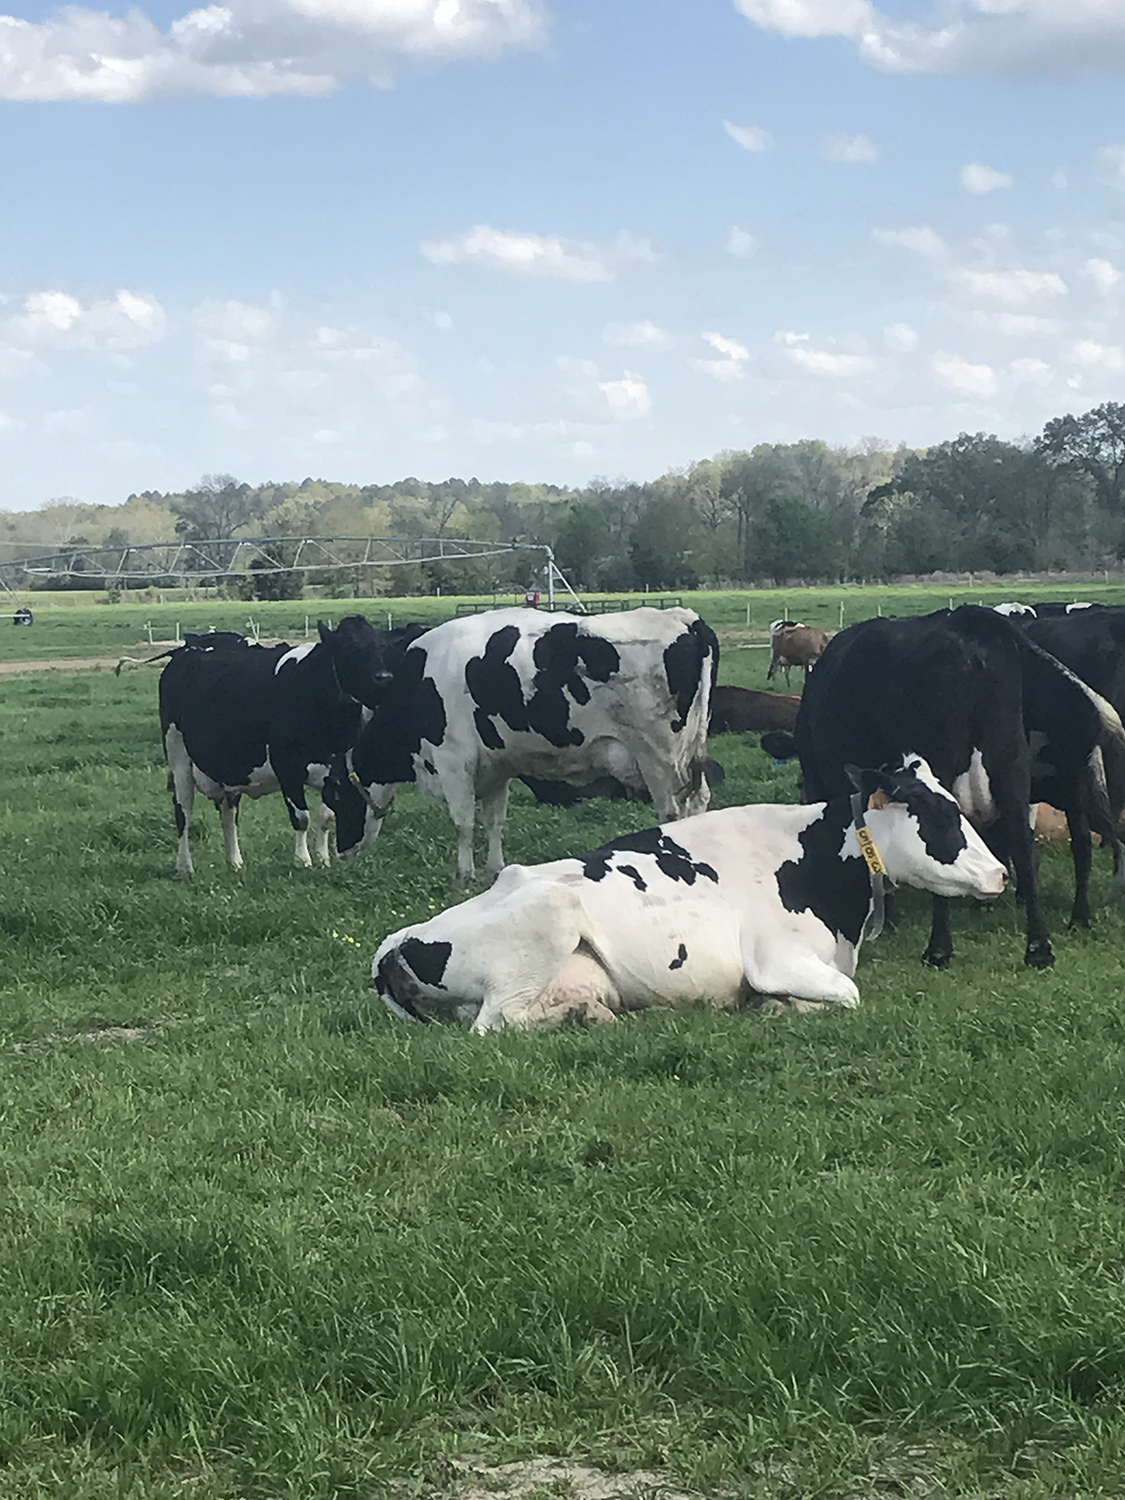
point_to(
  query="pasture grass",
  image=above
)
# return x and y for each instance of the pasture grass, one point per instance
(279, 1244)
(82, 625)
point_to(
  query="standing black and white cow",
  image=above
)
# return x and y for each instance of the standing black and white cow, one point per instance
(481, 700)
(995, 716)
(748, 900)
(241, 721)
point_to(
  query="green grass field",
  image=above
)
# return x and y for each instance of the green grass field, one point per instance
(82, 625)
(258, 1239)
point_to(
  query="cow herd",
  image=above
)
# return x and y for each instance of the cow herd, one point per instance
(915, 736)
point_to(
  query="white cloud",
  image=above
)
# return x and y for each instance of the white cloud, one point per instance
(920, 239)
(900, 338)
(58, 320)
(810, 17)
(73, 422)
(740, 243)
(730, 366)
(1045, 37)
(849, 148)
(548, 257)
(833, 366)
(730, 347)
(1103, 273)
(749, 137)
(1099, 356)
(965, 378)
(627, 397)
(1031, 372)
(1111, 166)
(977, 178)
(643, 335)
(1015, 325)
(250, 48)
(1015, 288)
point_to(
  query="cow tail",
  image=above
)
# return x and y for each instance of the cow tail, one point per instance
(1110, 718)
(140, 661)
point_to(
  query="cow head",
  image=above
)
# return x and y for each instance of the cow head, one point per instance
(922, 835)
(359, 809)
(359, 816)
(366, 659)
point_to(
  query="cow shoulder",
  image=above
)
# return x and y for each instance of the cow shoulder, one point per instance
(685, 662)
(820, 880)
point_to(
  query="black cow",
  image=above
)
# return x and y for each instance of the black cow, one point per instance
(1090, 640)
(241, 720)
(968, 690)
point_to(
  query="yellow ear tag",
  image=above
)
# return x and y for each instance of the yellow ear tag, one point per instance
(870, 851)
(353, 778)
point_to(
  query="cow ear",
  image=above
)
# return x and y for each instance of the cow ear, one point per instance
(325, 631)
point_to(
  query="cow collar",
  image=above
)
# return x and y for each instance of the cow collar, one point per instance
(875, 867)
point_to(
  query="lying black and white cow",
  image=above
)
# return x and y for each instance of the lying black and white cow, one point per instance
(767, 900)
(481, 700)
(241, 721)
(998, 719)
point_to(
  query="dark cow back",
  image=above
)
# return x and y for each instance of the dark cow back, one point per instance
(738, 709)
(966, 689)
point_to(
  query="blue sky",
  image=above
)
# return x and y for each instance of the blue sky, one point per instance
(546, 239)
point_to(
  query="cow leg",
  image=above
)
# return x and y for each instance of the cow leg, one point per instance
(582, 988)
(1081, 849)
(939, 950)
(772, 968)
(181, 783)
(493, 812)
(1038, 952)
(293, 790)
(461, 799)
(672, 797)
(228, 815)
(325, 819)
(182, 800)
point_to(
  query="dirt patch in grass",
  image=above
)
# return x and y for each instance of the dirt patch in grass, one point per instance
(552, 1479)
(62, 664)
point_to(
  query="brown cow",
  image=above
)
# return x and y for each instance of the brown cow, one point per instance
(736, 708)
(794, 645)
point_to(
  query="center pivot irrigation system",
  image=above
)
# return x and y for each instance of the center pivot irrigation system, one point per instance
(174, 564)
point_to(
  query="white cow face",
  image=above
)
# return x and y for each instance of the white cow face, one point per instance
(923, 837)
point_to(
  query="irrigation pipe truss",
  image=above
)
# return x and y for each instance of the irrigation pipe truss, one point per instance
(183, 562)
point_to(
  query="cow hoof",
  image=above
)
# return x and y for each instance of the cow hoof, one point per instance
(1080, 920)
(937, 960)
(1039, 955)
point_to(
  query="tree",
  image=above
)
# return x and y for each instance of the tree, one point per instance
(971, 504)
(217, 507)
(270, 585)
(581, 543)
(662, 546)
(790, 539)
(1093, 444)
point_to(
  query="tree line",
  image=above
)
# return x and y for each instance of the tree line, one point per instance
(786, 512)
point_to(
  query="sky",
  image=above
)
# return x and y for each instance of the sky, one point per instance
(546, 240)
